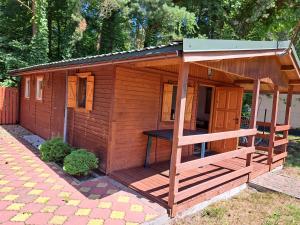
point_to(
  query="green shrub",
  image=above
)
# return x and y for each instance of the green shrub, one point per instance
(80, 162)
(54, 150)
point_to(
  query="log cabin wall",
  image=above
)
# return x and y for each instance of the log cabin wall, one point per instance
(137, 108)
(90, 130)
(44, 117)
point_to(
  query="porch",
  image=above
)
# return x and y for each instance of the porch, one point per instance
(198, 184)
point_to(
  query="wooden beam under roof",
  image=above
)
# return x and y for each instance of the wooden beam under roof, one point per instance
(160, 62)
(294, 82)
(267, 69)
(287, 68)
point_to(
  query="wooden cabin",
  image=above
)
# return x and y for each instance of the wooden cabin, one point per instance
(121, 106)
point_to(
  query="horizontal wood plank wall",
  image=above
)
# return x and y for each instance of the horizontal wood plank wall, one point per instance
(9, 105)
(43, 116)
(137, 108)
(90, 130)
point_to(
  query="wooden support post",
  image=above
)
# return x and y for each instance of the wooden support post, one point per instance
(273, 126)
(287, 115)
(253, 119)
(178, 132)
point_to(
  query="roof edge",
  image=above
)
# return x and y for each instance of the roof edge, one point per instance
(207, 45)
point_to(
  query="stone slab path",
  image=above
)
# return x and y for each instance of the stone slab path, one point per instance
(37, 193)
(276, 181)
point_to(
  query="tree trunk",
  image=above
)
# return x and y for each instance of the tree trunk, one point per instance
(34, 27)
(50, 35)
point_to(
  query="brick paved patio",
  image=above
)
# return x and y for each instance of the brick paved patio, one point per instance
(33, 192)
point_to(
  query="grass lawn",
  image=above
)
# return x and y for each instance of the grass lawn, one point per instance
(249, 207)
(252, 207)
(292, 165)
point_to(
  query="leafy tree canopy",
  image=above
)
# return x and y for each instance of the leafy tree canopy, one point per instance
(38, 31)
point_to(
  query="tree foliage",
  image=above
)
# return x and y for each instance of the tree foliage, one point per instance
(38, 31)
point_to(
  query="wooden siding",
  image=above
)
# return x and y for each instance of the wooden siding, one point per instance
(9, 105)
(90, 129)
(44, 117)
(137, 108)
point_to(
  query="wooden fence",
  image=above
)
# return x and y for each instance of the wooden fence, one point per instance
(9, 105)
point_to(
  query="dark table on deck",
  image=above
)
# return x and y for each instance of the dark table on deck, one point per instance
(167, 134)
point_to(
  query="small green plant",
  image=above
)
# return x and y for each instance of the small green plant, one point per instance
(80, 162)
(54, 150)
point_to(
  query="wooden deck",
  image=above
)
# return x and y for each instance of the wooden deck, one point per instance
(153, 182)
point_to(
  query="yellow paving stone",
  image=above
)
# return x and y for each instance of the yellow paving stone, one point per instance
(15, 206)
(26, 157)
(16, 168)
(24, 178)
(29, 184)
(10, 197)
(44, 175)
(1, 176)
(39, 170)
(10, 159)
(124, 199)
(130, 223)
(49, 209)
(20, 173)
(35, 192)
(6, 189)
(42, 200)
(50, 180)
(56, 187)
(105, 205)
(29, 161)
(64, 194)
(58, 220)
(2, 182)
(73, 202)
(149, 217)
(34, 165)
(21, 217)
(117, 215)
(95, 222)
(136, 208)
(83, 212)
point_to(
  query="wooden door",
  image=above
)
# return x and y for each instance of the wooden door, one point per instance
(58, 105)
(226, 116)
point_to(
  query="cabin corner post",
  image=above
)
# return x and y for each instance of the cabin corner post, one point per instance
(178, 132)
(288, 115)
(273, 126)
(253, 120)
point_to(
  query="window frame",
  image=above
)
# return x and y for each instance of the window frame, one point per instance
(88, 107)
(38, 79)
(174, 84)
(27, 88)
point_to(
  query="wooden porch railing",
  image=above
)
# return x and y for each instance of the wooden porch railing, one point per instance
(190, 165)
(275, 140)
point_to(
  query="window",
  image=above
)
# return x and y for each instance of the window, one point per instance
(169, 103)
(81, 97)
(39, 88)
(81, 91)
(27, 87)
